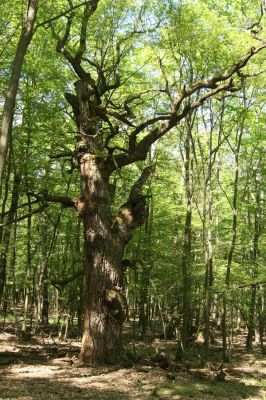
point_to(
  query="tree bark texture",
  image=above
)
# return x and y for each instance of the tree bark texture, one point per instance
(105, 237)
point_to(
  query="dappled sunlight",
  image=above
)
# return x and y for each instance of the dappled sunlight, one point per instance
(50, 389)
(34, 371)
(132, 200)
(45, 371)
(46, 381)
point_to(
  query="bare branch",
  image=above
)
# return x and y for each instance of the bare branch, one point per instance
(37, 211)
(75, 61)
(89, 9)
(46, 197)
(62, 155)
(213, 86)
(251, 284)
(20, 206)
(58, 16)
(167, 87)
(60, 283)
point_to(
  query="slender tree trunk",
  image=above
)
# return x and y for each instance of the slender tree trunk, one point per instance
(262, 316)
(232, 245)
(254, 268)
(10, 100)
(208, 271)
(208, 211)
(2, 230)
(186, 258)
(13, 276)
(27, 272)
(145, 278)
(45, 297)
(207, 215)
(6, 190)
(7, 231)
(251, 319)
(29, 228)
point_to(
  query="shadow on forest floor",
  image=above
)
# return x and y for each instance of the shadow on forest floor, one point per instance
(44, 389)
(43, 369)
(52, 383)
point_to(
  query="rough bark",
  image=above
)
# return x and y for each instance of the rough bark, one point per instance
(105, 237)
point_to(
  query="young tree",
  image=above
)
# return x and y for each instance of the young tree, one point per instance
(10, 99)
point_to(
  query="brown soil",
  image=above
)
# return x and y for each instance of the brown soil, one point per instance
(45, 369)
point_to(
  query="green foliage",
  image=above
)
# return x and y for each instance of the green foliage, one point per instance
(162, 43)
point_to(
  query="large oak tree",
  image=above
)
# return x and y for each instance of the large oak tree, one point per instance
(109, 138)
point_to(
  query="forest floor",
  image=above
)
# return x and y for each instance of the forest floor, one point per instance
(46, 369)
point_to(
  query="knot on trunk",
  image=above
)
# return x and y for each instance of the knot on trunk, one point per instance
(135, 211)
(73, 101)
(126, 263)
(80, 206)
(116, 303)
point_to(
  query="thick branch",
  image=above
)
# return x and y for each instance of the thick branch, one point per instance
(137, 187)
(20, 206)
(62, 14)
(37, 211)
(63, 155)
(45, 196)
(89, 9)
(60, 283)
(139, 151)
(74, 61)
(144, 125)
(211, 83)
(134, 212)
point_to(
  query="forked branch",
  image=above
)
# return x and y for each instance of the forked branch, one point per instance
(213, 86)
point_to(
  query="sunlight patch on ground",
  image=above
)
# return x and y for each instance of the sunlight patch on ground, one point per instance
(34, 371)
(6, 337)
(45, 369)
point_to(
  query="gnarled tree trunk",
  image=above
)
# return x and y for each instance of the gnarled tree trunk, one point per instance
(105, 236)
(105, 302)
